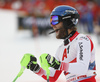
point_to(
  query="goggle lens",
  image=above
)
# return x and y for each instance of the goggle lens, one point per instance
(54, 20)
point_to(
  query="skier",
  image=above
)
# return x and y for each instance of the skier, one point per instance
(75, 56)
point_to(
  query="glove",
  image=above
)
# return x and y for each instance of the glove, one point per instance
(32, 65)
(53, 62)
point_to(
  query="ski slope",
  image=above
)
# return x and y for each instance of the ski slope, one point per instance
(14, 44)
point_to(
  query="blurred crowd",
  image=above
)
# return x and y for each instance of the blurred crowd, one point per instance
(34, 14)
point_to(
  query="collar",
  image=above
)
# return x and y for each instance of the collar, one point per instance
(70, 37)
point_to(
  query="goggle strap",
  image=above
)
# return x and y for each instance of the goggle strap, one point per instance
(66, 17)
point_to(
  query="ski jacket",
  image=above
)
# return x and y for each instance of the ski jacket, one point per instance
(77, 50)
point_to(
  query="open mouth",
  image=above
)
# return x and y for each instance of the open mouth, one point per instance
(57, 30)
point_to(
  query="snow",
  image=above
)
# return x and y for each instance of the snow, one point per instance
(14, 44)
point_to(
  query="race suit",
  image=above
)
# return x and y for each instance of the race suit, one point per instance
(77, 50)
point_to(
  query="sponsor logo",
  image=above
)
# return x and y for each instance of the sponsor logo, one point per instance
(71, 11)
(81, 50)
(84, 38)
(75, 78)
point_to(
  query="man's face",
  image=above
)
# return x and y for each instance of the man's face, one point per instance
(60, 33)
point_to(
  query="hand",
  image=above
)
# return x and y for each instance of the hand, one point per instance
(53, 62)
(32, 65)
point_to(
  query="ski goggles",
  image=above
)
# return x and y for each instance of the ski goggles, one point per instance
(57, 19)
(54, 20)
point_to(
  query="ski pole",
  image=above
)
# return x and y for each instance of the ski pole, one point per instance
(19, 74)
(24, 62)
(44, 64)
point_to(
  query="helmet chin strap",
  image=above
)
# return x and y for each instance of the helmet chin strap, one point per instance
(66, 28)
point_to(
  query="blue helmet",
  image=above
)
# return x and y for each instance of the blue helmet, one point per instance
(67, 14)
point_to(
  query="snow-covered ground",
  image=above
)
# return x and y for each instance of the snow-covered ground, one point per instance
(14, 44)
